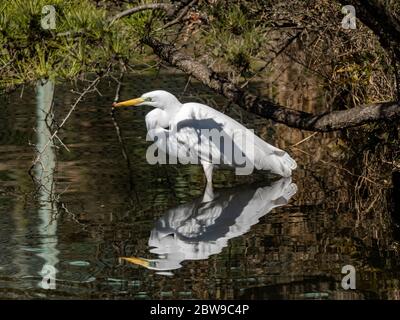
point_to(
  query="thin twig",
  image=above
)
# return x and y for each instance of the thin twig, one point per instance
(397, 76)
(180, 16)
(276, 54)
(119, 135)
(150, 6)
(304, 140)
(339, 168)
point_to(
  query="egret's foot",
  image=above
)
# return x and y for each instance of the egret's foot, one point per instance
(208, 172)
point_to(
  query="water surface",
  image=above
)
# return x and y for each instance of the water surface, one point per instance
(256, 237)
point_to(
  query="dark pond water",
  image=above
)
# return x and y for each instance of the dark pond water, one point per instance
(257, 238)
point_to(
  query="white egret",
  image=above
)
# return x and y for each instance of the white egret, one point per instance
(183, 127)
(199, 229)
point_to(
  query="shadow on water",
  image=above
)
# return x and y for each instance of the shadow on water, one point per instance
(214, 244)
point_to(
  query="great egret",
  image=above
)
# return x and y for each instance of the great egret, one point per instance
(201, 228)
(184, 130)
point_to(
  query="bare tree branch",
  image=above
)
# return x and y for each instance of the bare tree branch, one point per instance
(168, 8)
(329, 121)
(386, 26)
(181, 15)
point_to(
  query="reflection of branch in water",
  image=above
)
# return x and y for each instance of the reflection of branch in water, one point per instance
(132, 186)
(55, 132)
(63, 207)
(44, 150)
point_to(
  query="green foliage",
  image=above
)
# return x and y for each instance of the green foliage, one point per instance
(83, 40)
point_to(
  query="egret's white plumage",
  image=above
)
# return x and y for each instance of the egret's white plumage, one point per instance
(182, 125)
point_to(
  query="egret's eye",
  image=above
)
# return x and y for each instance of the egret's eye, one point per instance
(147, 99)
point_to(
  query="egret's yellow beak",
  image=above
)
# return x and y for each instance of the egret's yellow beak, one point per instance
(139, 261)
(128, 103)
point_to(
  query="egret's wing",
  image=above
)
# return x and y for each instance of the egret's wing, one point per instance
(194, 118)
(194, 134)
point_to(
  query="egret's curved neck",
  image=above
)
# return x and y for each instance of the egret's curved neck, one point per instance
(171, 108)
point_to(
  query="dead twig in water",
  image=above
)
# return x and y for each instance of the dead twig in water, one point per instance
(121, 141)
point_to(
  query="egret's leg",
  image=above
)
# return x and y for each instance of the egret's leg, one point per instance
(208, 193)
(208, 171)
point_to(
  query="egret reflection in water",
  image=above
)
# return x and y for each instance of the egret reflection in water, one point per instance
(203, 227)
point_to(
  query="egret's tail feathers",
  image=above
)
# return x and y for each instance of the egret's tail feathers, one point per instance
(279, 164)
